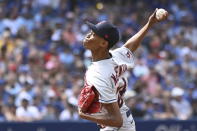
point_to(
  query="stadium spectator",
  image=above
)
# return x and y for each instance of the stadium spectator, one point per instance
(10, 113)
(50, 113)
(69, 112)
(178, 102)
(26, 112)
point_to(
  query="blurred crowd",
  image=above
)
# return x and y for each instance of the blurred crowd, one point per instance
(42, 60)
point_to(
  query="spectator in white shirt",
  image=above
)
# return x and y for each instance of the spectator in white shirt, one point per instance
(26, 112)
(69, 112)
(181, 107)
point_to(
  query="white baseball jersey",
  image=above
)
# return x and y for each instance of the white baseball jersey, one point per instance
(107, 76)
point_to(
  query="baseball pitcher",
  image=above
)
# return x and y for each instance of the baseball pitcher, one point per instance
(101, 99)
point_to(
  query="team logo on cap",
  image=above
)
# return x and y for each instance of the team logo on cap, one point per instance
(106, 36)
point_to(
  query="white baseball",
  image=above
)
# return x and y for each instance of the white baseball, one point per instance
(160, 13)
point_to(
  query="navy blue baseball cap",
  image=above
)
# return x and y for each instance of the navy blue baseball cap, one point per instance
(107, 31)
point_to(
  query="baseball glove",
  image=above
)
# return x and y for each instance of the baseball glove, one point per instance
(88, 100)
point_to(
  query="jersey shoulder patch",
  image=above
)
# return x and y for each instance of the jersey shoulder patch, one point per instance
(123, 56)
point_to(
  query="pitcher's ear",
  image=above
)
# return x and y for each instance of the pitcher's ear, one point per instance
(104, 43)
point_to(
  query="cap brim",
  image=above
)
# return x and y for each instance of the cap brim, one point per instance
(92, 27)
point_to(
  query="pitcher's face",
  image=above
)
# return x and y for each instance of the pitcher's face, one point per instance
(92, 41)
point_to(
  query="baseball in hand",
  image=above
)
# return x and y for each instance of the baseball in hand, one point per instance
(161, 13)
